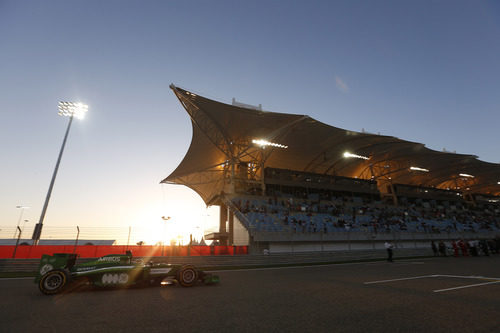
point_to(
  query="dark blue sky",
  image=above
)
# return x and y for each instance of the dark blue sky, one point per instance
(424, 71)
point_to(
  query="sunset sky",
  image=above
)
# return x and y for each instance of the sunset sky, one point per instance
(424, 71)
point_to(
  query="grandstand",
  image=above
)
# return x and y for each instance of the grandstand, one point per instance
(289, 183)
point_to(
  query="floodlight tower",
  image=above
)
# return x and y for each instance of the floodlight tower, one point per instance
(71, 110)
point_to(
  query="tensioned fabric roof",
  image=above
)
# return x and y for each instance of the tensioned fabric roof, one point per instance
(223, 132)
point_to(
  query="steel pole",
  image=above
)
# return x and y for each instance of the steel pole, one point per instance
(128, 239)
(38, 228)
(17, 243)
(77, 236)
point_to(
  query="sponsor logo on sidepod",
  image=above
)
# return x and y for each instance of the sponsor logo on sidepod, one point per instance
(121, 278)
(111, 259)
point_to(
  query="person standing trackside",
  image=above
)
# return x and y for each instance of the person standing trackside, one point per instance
(442, 248)
(389, 247)
(434, 249)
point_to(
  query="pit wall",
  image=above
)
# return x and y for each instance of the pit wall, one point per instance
(292, 247)
(279, 242)
(94, 251)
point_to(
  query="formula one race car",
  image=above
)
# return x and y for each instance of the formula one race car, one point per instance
(58, 271)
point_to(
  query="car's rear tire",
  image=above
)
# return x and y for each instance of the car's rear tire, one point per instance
(187, 276)
(53, 282)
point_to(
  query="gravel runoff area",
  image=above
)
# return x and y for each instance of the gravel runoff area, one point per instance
(420, 295)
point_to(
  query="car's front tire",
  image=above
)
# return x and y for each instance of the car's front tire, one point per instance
(53, 282)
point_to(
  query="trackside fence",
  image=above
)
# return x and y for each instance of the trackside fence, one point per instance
(246, 261)
(94, 251)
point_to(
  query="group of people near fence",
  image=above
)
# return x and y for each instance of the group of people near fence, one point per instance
(466, 248)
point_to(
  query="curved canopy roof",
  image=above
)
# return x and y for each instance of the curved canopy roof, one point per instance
(223, 133)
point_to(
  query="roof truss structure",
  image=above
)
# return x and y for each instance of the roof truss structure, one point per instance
(222, 154)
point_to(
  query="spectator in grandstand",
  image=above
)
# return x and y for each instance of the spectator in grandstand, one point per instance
(434, 249)
(389, 246)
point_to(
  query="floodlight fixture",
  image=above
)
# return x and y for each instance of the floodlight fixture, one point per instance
(466, 175)
(72, 109)
(418, 169)
(349, 155)
(264, 143)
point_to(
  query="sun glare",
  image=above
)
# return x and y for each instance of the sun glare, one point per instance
(175, 223)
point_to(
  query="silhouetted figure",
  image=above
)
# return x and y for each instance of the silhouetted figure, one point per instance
(455, 248)
(484, 247)
(493, 246)
(442, 248)
(389, 247)
(473, 248)
(434, 249)
(463, 248)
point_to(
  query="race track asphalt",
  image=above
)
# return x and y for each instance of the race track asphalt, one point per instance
(332, 298)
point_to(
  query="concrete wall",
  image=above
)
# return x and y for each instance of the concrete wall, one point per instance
(286, 242)
(241, 237)
(365, 236)
(292, 247)
(326, 246)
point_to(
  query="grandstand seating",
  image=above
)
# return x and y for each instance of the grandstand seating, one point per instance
(287, 213)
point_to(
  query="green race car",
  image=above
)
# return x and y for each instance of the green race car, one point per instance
(57, 272)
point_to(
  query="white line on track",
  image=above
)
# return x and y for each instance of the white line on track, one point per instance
(470, 277)
(399, 263)
(303, 266)
(401, 279)
(467, 286)
(437, 275)
(495, 280)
